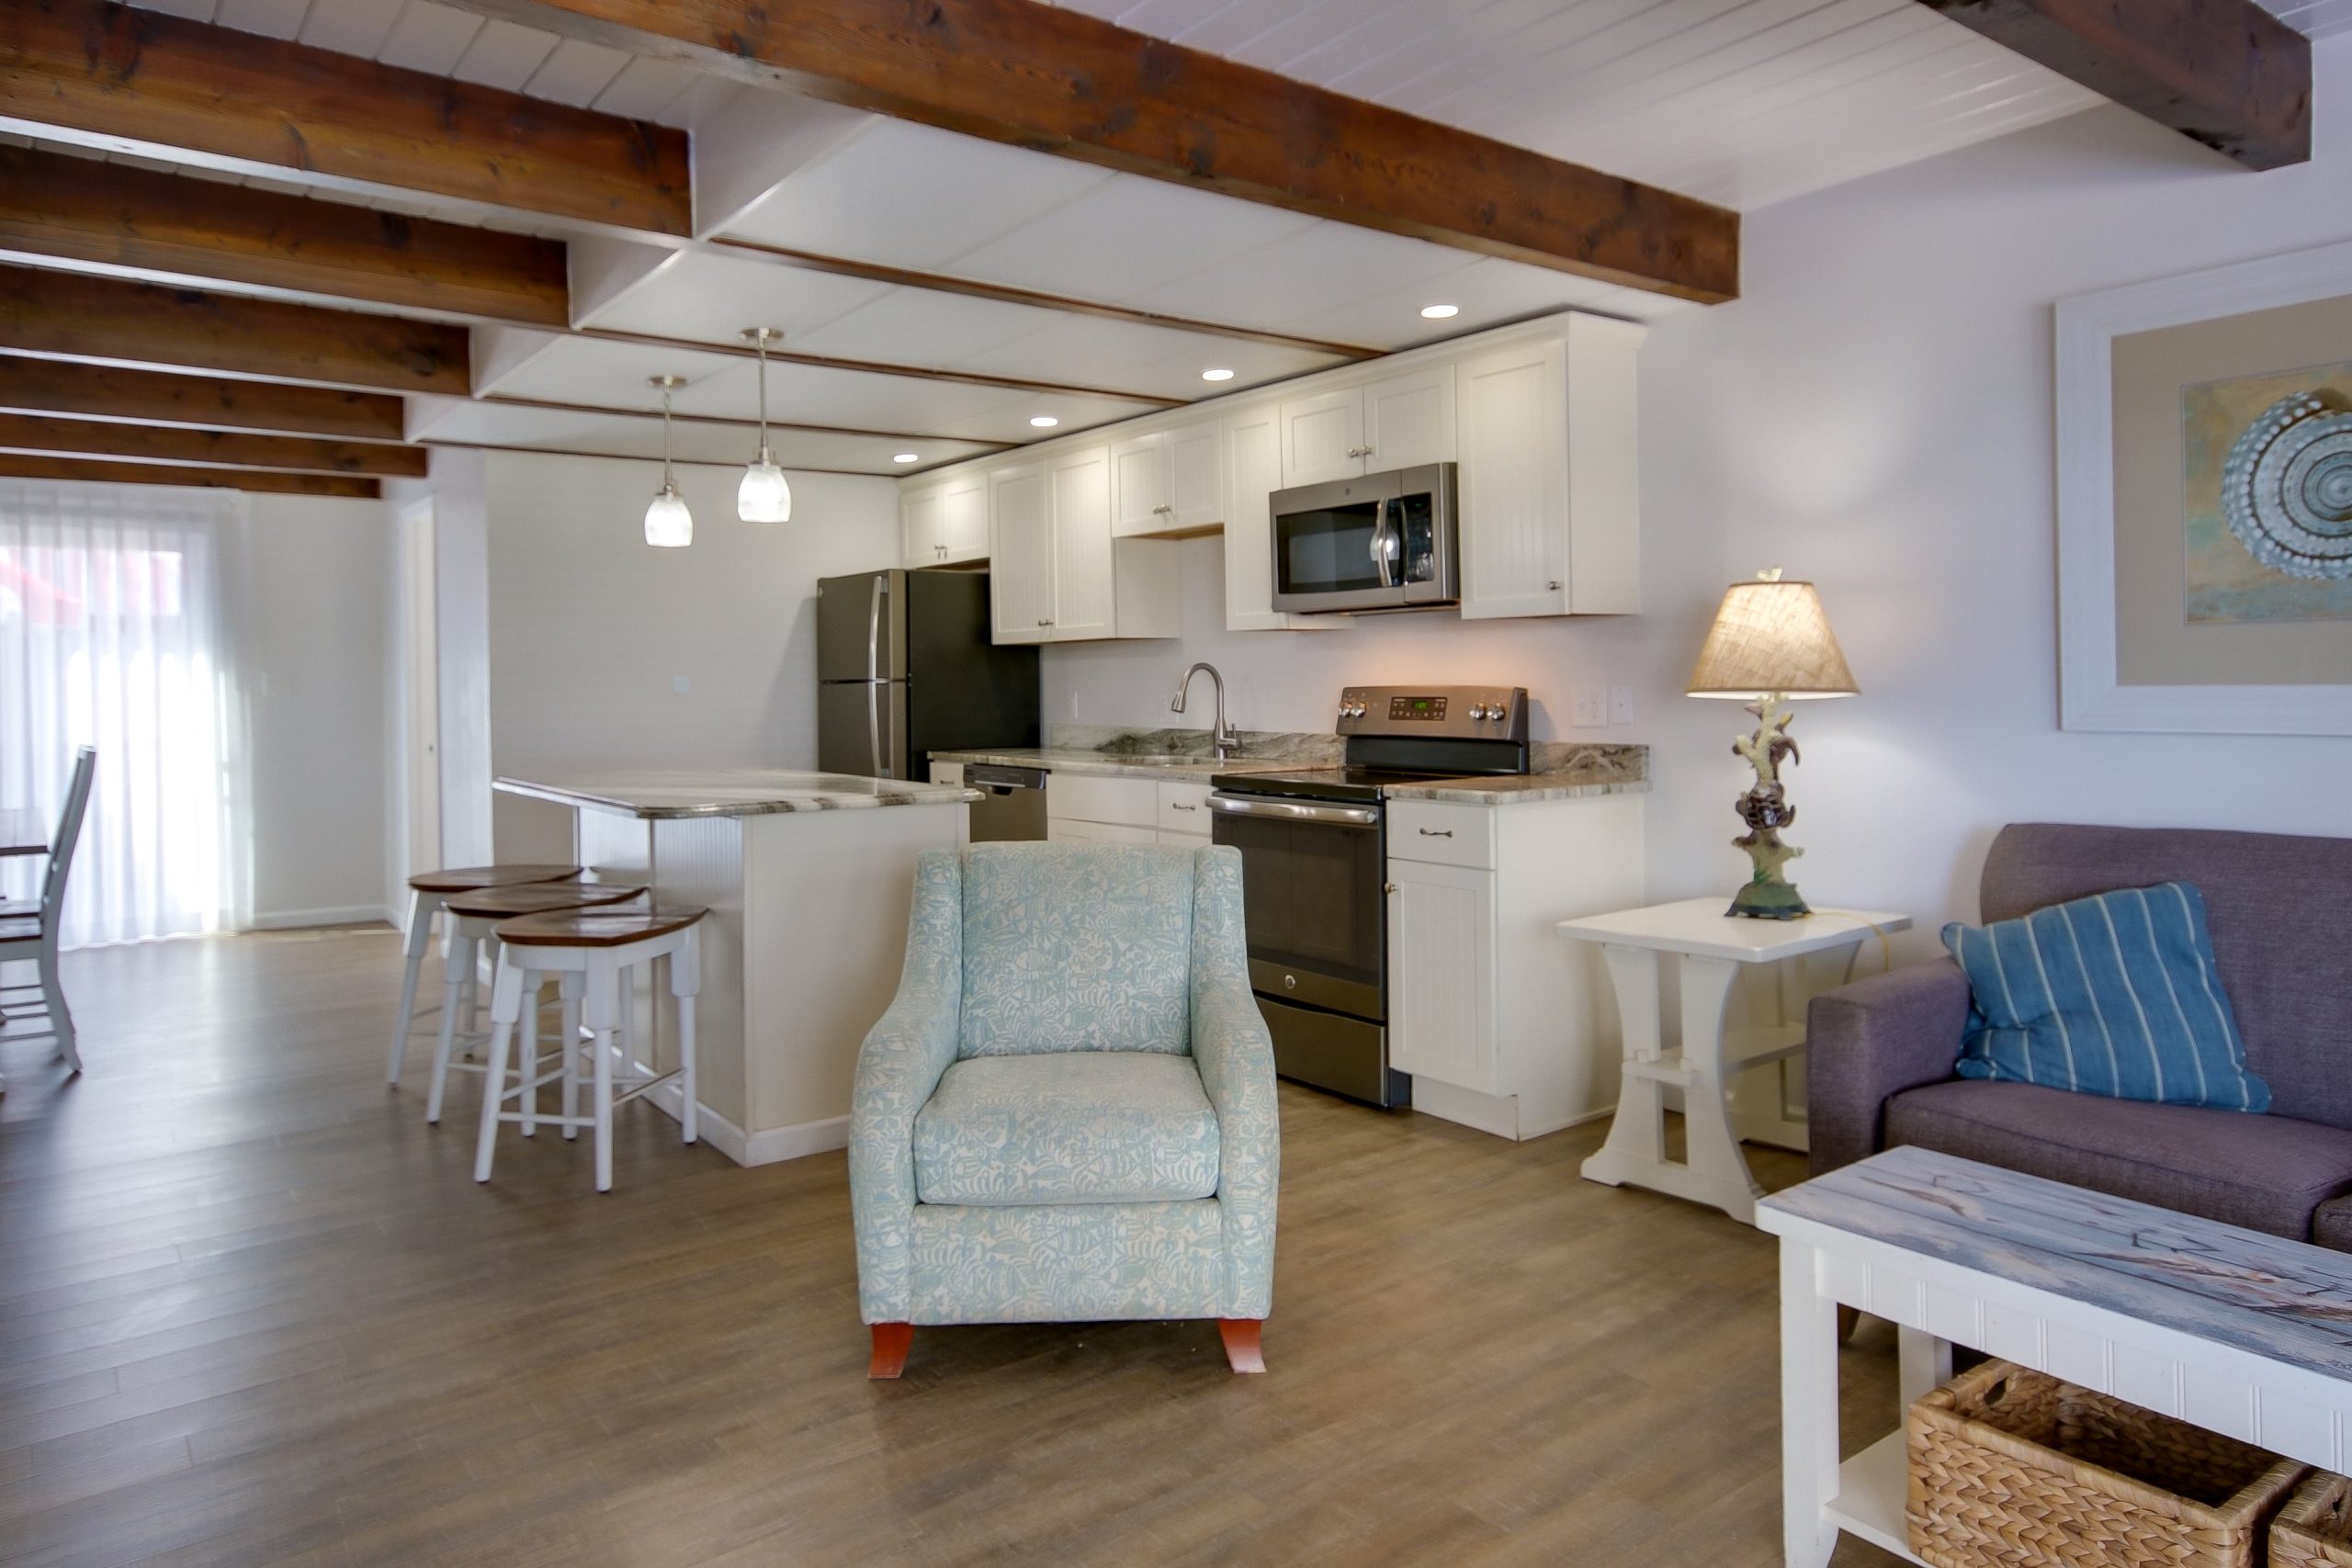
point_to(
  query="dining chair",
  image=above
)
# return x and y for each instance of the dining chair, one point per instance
(28, 931)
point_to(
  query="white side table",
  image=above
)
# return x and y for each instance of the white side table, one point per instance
(1710, 1058)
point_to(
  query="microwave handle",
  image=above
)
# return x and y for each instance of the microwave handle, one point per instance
(1380, 541)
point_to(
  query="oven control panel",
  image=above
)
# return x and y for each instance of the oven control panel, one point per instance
(1452, 712)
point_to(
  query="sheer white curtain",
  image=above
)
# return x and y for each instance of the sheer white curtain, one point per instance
(110, 636)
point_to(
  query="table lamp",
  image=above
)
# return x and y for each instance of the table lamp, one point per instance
(1771, 643)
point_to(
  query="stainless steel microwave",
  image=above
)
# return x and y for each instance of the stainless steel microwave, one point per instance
(1382, 542)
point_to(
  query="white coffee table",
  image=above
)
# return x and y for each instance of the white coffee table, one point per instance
(2240, 1332)
(1710, 1058)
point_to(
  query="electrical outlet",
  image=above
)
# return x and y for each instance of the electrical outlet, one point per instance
(1621, 704)
(1588, 708)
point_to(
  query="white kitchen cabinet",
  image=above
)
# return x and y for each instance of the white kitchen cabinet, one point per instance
(1069, 830)
(1254, 472)
(1090, 808)
(1168, 481)
(1396, 422)
(1056, 572)
(947, 523)
(1550, 494)
(1504, 1025)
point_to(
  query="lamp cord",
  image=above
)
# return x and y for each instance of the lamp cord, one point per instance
(1885, 942)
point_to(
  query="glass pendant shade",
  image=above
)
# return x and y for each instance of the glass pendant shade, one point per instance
(668, 524)
(763, 496)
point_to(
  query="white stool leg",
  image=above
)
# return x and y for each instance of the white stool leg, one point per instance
(526, 1079)
(52, 996)
(506, 1005)
(420, 933)
(456, 968)
(624, 1027)
(602, 1008)
(685, 984)
(569, 985)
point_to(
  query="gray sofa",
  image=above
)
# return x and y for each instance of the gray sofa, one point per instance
(1882, 1050)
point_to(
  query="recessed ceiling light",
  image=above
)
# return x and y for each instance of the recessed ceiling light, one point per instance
(1219, 374)
(1044, 420)
(905, 457)
(1440, 312)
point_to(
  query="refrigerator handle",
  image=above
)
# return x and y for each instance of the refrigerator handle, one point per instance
(873, 673)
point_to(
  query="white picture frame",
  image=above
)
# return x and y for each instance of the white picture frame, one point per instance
(2088, 693)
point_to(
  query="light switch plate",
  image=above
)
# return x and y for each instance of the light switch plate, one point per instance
(1621, 704)
(1588, 708)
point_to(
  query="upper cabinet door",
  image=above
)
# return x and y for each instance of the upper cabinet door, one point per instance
(1515, 482)
(1139, 485)
(1323, 438)
(921, 514)
(1196, 470)
(964, 519)
(1085, 596)
(1409, 420)
(1021, 551)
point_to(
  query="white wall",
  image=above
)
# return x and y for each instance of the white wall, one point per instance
(607, 653)
(1873, 413)
(309, 627)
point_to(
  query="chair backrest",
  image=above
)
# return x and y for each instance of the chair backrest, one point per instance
(1077, 947)
(69, 833)
(2279, 906)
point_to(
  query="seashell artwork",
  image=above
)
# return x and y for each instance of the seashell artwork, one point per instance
(2268, 494)
(2286, 488)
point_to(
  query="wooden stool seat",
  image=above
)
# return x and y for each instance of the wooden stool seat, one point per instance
(466, 879)
(597, 927)
(532, 898)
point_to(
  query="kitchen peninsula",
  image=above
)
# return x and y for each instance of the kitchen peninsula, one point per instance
(807, 878)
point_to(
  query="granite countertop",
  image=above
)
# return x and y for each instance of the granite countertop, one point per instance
(739, 792)
(1109, 751)
(1561, 771)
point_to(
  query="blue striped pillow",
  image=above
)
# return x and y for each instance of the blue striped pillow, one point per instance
(2116, 995)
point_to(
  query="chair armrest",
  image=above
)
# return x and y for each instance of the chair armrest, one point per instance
(1866, 1043)
(1235, 1057)
(899, 1067)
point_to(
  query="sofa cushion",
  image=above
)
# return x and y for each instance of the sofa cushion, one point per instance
(2332, 1223)
(2268, 1173)
(2115, 994)
(1075, 1127)
(1077, 947)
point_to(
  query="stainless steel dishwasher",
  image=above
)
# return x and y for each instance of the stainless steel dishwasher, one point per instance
(1011, 803)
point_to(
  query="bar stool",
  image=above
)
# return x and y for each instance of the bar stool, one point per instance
(426, 890)
(473, 918)
(594, 950)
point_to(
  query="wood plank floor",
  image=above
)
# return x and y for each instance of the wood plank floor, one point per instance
(253, 1311)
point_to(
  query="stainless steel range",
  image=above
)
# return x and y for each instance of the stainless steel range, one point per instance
(1314, 850)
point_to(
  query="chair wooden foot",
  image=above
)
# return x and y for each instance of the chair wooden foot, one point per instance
(1243, 1352)
(891, 1342)
(1848, 1319)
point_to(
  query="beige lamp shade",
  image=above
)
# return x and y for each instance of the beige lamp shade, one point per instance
(1771, 636)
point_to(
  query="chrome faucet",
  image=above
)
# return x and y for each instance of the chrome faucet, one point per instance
(1224, 740)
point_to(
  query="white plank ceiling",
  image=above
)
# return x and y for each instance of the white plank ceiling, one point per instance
(1739, 102)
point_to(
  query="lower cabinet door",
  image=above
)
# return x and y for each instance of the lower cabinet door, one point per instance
(1441, 973)
(1069, 830)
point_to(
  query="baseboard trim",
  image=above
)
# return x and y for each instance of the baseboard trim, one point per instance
(297, 920)
(769, 1147)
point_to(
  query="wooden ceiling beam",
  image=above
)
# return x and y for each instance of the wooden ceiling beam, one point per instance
(199, 402)
(25, 465)
(78, 211)
(1061, 81)
(108, 321)
(2225, 72)
(206, 448)
(110, 76)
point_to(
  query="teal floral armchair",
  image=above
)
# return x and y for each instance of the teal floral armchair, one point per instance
(1068, 1114)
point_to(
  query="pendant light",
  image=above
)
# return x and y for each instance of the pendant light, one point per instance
(667, 521)
(763, 497)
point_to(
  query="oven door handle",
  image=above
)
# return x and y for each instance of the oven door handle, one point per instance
(1294, 811)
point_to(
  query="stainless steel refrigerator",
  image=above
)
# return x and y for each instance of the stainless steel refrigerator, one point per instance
(905, 668)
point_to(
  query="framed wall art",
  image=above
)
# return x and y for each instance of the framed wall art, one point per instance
(2204, 448)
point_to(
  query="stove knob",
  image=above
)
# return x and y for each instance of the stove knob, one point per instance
(1477, 710)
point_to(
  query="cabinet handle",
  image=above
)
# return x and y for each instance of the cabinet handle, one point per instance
(1437, 832)
(1173, 806)
(1388, 887)
(1359, 451)
(1554, 586)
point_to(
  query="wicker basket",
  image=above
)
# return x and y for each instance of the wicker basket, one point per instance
(2014, 1469)
(2315, 1529)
